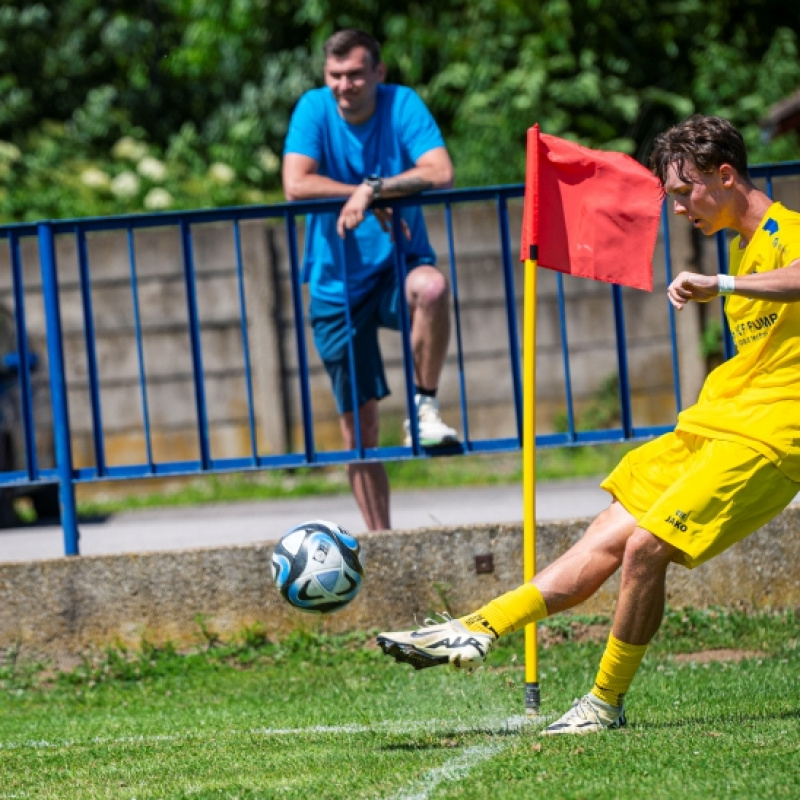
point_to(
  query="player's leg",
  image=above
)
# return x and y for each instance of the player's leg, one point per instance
(640, 607)
(640, 480)
(368, 481)
(569, 580)
(723, 493)
(428, 298)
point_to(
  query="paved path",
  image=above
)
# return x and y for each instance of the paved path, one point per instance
(245, 523)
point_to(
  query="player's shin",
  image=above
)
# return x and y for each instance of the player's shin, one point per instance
(509, 612)
(617, 669)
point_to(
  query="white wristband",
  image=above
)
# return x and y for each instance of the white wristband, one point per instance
(725, 284)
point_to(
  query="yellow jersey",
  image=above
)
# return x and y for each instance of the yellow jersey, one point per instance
(754, 398)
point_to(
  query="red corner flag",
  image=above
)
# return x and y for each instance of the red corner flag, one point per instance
(592, 213)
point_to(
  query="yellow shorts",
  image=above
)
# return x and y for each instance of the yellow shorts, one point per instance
(699, 495)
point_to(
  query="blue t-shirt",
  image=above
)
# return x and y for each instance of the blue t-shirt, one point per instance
(399, 132)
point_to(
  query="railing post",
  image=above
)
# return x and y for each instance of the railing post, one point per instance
(58, 388)
(23, 354)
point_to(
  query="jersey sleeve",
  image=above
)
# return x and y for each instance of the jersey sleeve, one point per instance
(304, 136)
(419, 129)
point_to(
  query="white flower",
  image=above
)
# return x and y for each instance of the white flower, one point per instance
(254, 196)
(95, 178)
(267, 160)
(221, 173)
(152, 168)
(127, 147)
(157, 199)
(126, 184)
(9, 152)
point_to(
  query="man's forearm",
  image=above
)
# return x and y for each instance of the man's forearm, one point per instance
(420, 178)
(315, 187)
(404, 184)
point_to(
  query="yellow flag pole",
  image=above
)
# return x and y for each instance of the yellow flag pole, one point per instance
(532, 695)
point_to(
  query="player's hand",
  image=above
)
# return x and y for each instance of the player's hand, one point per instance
(354, 210)
(692, 286)
(384, 216)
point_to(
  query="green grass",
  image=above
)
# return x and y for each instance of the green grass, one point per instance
(479, 470)
(330, 717)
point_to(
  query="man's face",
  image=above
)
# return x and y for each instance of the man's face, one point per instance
(701, 197)
(353, 80)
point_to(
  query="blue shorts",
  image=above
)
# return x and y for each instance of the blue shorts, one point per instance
(379, 308)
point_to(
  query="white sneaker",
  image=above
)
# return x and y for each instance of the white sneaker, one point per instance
(432, 431)
(435, 643)
(588, 715)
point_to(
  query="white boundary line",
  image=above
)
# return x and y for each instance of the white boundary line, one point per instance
(491, 726)
(462, 764)
(453, 770)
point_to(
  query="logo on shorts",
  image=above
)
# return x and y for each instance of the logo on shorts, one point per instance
(678, 520)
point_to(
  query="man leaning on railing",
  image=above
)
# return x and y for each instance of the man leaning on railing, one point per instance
(362, 139)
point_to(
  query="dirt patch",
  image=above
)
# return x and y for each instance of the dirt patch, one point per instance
(714, 656)
(574, 632)
(598, 633)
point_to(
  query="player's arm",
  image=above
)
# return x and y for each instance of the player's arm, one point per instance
(781, 285)
(301, 180)
(432, 170)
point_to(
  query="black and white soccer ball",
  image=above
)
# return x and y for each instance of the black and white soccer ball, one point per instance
(317, 567)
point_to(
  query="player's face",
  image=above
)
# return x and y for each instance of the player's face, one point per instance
(701, 197)
(353, 80)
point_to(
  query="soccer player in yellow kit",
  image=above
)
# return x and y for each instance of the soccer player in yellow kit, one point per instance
(731, 464)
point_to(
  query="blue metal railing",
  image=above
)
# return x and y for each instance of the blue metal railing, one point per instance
(67, 475)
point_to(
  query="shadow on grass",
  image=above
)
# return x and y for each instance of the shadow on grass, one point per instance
(454, 737)
(719, 719)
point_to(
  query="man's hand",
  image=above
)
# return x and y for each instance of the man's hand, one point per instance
(692, 286)
(384, 216)
(354, 210)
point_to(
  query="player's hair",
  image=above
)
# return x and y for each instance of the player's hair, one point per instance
(704, 142)
(342, 42)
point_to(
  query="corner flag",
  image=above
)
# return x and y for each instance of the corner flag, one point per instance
(590, 213)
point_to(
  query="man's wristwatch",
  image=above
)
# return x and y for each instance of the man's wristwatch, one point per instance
(375, 182)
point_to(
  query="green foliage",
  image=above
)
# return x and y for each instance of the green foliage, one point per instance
(711, 340)
(602, 411)
(18, 675)
(206, 87)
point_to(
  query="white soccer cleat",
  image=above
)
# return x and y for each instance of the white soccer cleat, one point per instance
(432, 431)
(588, 715)
(435, 643)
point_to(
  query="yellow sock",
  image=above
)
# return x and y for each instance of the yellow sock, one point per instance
(509, 612)
(617, 668)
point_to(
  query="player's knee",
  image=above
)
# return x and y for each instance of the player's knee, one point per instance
(645, 549)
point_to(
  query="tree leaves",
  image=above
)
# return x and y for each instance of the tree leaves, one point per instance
(204, 81)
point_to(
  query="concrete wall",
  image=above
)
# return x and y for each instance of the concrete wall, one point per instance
(64, 606)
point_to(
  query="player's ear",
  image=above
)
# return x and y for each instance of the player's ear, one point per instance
(380, 71)
(727, 175)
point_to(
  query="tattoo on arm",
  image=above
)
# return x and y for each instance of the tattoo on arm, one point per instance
(407, 185)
